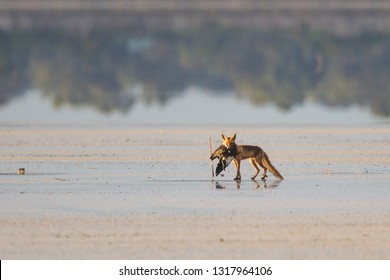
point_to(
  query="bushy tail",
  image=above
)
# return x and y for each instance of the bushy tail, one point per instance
(271, 168)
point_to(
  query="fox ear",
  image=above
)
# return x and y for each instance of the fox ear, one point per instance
(234, 137)
(224, 137)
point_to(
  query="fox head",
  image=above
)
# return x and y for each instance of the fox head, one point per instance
(229, 142)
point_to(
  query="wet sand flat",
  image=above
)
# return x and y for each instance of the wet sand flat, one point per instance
(118, 192)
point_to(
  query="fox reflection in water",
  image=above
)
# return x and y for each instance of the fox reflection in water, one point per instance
(264, 184)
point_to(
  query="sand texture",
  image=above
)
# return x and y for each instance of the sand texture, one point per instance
(117, 192)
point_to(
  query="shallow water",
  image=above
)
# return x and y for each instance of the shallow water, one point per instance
(172, 189)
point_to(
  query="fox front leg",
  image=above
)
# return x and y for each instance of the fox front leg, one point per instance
(238, 175)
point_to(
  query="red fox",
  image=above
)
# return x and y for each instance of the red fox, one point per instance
(255, 155)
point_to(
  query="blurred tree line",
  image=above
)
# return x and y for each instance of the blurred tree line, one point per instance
(111, 69)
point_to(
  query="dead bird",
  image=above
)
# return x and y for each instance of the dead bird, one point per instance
(225, 156)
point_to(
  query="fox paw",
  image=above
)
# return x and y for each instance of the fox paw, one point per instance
(237, 179)
(263, 176)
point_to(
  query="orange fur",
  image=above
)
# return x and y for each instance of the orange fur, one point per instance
(257, 157)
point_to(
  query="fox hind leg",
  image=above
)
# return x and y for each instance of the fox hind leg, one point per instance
(264, 175)
(253, 163)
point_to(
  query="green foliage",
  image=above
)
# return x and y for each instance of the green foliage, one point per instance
(111, 69)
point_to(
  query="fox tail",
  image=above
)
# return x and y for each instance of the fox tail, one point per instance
(271, 168)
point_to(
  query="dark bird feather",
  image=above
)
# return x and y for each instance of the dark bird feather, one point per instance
(225, 156)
